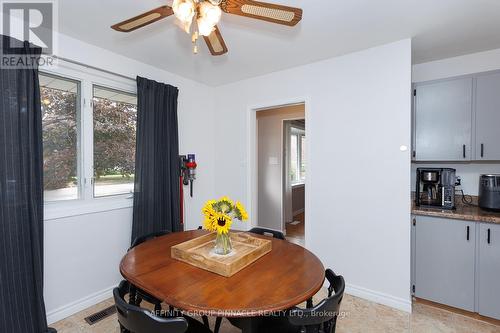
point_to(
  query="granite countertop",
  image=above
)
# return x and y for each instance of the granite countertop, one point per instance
(463, 212)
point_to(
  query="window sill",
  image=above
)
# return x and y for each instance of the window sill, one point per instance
(294, 185)
(58, 210)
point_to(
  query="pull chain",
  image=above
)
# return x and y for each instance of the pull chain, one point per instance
(194, 40)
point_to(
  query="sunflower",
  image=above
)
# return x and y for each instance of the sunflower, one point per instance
(241, 213)
(224, 205)
(219, 214)
(209, 212)
(222, 222)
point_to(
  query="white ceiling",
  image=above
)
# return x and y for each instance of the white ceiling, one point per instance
(440, 28)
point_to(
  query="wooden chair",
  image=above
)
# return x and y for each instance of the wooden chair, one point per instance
(134, 319)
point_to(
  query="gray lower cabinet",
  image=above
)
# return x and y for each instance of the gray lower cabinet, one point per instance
(489, 270)
(442, 120)
(444, 261)
(488, 117)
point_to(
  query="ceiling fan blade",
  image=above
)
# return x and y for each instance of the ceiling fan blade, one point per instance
(144, 19)
(263, 11)
(216, 43)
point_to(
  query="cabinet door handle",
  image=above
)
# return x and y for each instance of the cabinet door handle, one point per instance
(463, 150)
(489, 236)
(468, 232)
(482, 149)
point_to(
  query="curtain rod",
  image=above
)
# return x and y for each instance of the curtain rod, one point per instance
(94, 67)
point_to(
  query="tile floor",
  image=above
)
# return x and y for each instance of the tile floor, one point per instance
(357, 315)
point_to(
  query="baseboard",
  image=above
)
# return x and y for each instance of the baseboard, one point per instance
(381, 298)
(300, 211)
(79, 305)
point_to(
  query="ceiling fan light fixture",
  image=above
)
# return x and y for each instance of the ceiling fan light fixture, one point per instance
(205, 28)
(184, 10)
(209, 12)
(208, 17)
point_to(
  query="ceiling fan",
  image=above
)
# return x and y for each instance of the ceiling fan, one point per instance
(207, 13)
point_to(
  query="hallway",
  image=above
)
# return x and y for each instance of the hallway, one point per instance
(295, 231)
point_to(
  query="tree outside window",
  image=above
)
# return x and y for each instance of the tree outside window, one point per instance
(115, 121)
(60, 102)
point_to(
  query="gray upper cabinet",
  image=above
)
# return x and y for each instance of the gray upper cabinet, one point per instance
(444, 261)
(488, 117)
(489, 270)
(443, 120)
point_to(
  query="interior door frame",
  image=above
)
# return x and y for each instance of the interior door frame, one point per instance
(284, 169)
(252, 166)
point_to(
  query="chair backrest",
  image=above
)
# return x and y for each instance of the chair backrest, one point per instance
(138, 320)
(142, 239)
(325, 312)
(267, 232)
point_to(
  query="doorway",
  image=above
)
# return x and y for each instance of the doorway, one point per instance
(294, 171)
(281, 165)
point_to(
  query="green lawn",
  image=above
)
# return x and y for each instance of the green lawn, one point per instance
(114, 179)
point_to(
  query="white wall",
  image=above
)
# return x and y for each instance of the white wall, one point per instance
(270, 165)
(357, 116)
(451, 67)
(82, 253)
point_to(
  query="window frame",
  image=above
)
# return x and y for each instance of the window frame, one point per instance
(128, 195)
(299, 133)
(79, 162)
(87, 203)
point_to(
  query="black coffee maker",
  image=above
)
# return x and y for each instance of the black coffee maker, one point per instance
(435, 188)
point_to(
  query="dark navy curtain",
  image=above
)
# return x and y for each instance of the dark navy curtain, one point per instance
(156, 193)
(22, 308)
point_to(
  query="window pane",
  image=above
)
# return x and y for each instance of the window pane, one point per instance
(115, 117)
(303, 157)
(60, 100)
(293, 157)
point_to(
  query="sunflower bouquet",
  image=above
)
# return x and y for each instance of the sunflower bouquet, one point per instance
(219, 215)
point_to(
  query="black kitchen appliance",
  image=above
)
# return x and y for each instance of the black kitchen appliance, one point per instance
(435, 188)
(489, 192)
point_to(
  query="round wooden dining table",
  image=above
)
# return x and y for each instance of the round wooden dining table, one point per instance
(286, 276)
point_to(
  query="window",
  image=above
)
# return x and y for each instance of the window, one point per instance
(60, 102)
(89, 125)
(115, 118)
(297, 155)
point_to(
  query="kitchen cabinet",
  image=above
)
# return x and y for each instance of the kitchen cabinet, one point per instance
(443, 120)
(487, 117)
(489, 270)
(444, 258)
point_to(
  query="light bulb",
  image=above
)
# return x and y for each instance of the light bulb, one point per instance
(184, 10)
(210, 12)
(205, 28)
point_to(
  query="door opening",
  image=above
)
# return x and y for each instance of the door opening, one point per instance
(281, 170)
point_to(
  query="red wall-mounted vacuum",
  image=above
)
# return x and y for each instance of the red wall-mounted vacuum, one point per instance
(187, 176)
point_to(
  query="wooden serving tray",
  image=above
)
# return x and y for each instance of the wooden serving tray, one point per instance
(199, 252)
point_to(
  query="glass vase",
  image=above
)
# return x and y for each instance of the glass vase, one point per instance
(223, 244)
